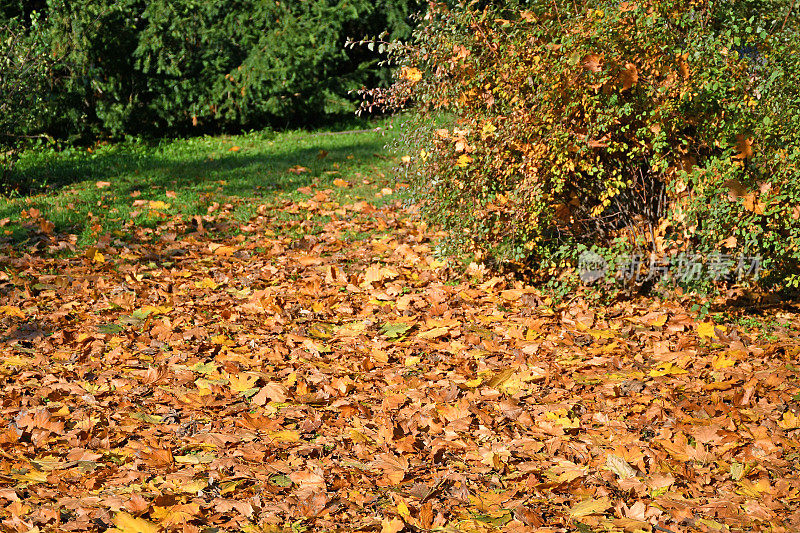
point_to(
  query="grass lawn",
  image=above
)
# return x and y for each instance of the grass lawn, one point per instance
(108, 189)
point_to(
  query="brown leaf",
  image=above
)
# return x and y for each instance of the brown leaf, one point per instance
(158, 458)
(745, 147)
(274, 392)
(629, 76)
(592, 62)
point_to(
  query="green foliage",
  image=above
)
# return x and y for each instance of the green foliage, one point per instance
(25, 67)
(650, 127)
(195, 65)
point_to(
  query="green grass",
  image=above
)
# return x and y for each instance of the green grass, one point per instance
(189, 176)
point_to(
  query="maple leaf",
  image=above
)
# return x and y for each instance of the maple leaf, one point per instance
(667, 369)
(395, 330)
(789, 420)
(176, 514)
(243, 382)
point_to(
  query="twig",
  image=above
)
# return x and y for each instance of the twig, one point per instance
(788, 14)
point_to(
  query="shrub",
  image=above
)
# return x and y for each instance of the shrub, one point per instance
(651, 127)
(25, 68)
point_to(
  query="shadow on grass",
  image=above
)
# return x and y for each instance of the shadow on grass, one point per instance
(67, 193)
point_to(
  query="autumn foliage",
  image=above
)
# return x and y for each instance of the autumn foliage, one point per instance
(649, 127)
(268, 383)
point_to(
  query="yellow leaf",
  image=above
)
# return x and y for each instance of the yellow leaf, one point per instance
(657, 322)
(500, 378)
(222, 340)
(560, 417)
(753, 489)
(222, 251)
(665, 369)
(49, 462)
(11, 310)
(156, 310)
(158, 204)
(195, 459)
(402, 509)
(16, 360)
(789, 421)
(434, 333)
(176, 514)
(358, 437)
(588, 507)
(565, 472)
(206, 283)
(94, 256)
(286, 435)
(126, 523)
(242, 382)
(32, 476)
(737, 471)
(395, 525)
(602, 334)
(706, 329)
(463, 161)
(721, 362)
(411, 74)
(412, 360)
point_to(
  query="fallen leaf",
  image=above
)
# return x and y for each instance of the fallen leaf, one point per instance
(619, 466)
(392, 525)
(590, 507)
(11, 310)
(126, 523)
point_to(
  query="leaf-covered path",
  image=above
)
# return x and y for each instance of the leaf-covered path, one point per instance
(344, 381)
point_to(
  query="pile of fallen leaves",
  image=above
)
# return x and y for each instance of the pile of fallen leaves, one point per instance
(273, 383)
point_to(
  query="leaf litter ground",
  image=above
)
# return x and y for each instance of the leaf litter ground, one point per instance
(342, 379)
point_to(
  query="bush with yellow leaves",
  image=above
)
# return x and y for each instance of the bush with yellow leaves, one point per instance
(545, 129)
